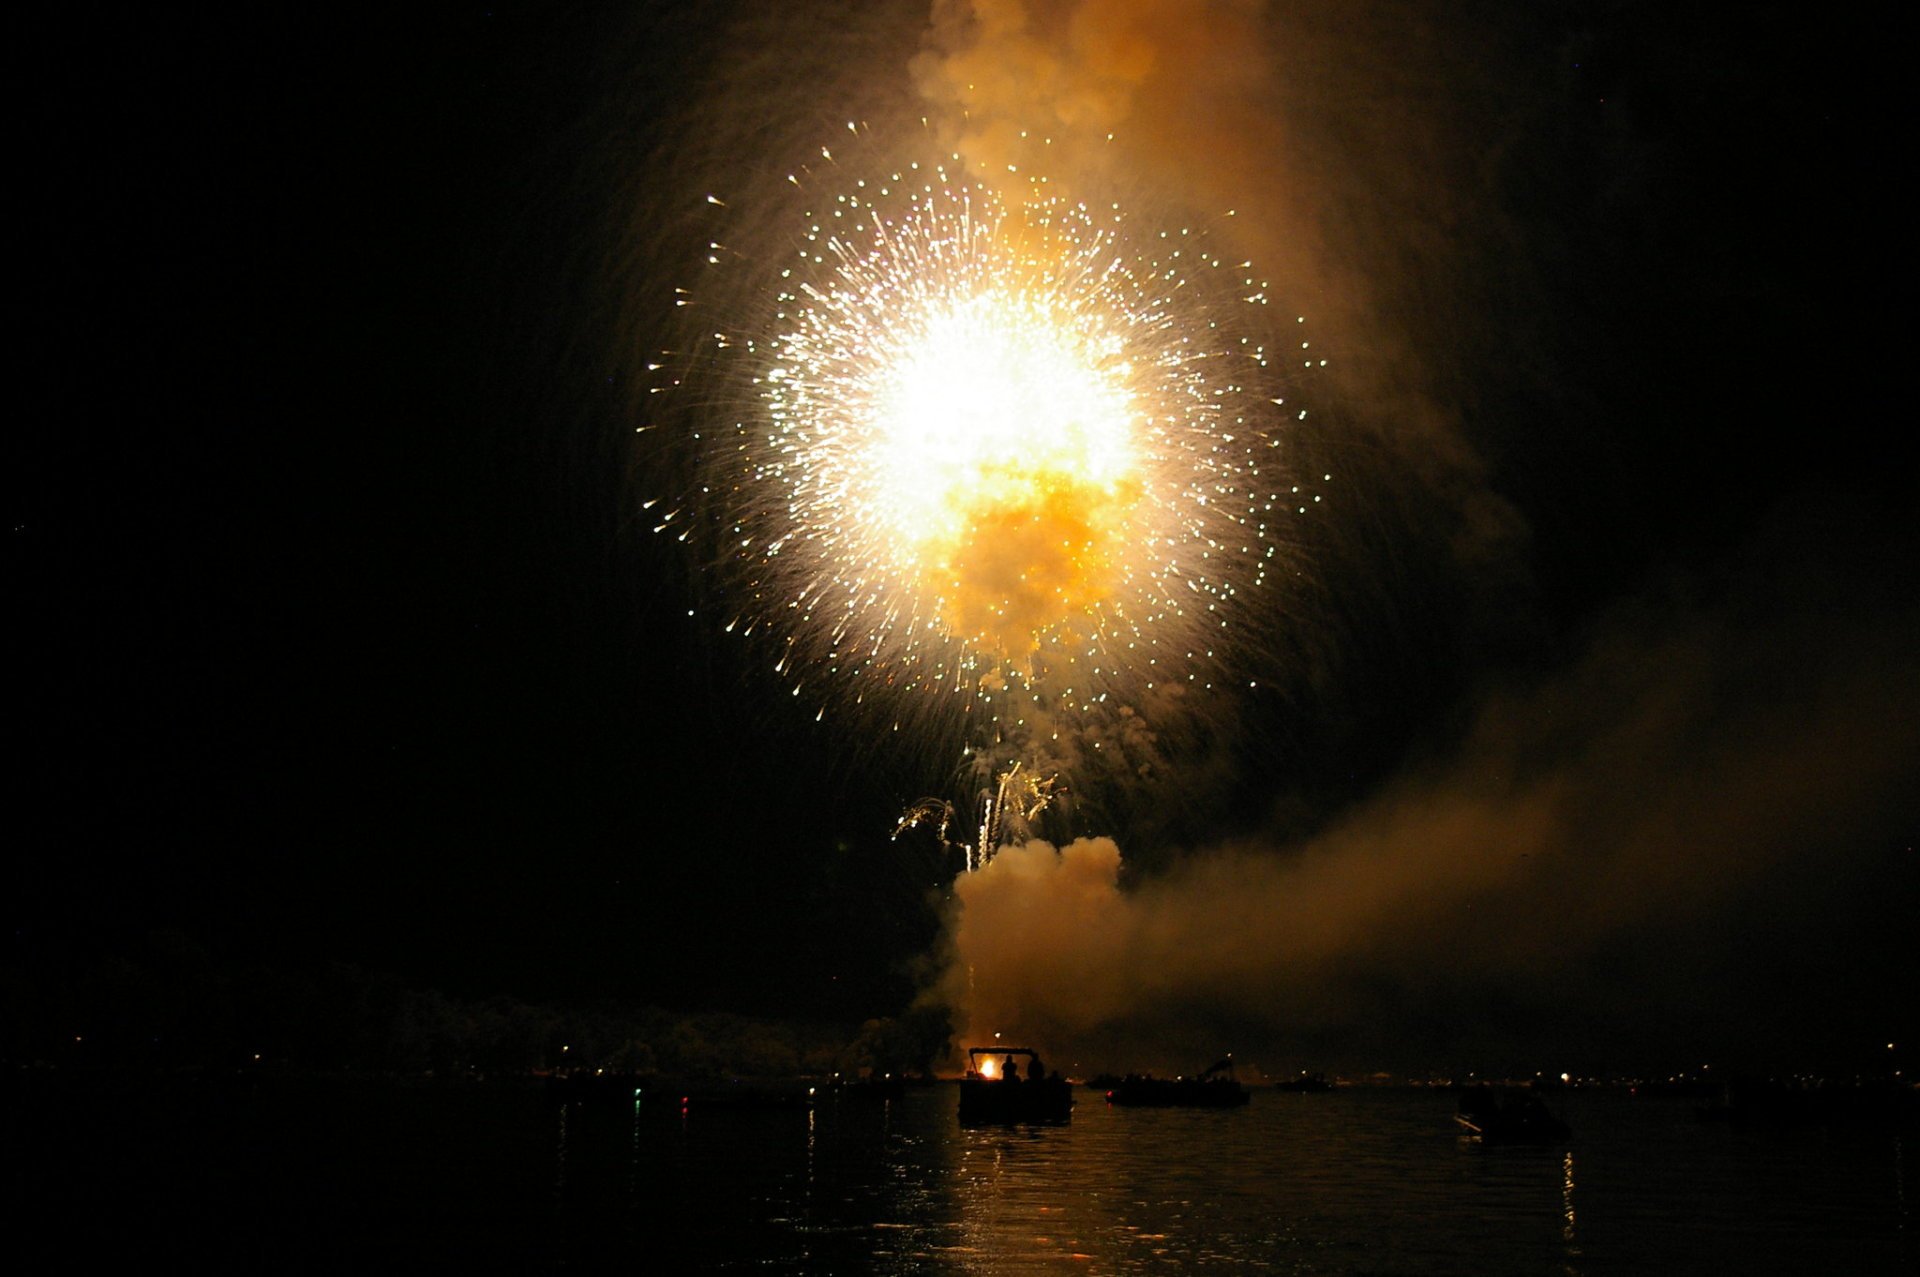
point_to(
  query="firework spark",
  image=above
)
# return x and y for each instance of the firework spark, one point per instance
(1008, 810)
(1020, 458)
(998, 451)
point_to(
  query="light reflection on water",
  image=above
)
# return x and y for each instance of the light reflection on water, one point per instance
(1354, 1182)
(1566, 1206)
(331, 1176)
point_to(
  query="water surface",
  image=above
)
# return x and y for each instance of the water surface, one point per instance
(330, 1175)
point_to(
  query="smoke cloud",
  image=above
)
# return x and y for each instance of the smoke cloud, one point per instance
(1699, 833)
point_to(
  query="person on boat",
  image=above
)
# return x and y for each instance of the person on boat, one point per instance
(1035, 1072)
(1010, 1070)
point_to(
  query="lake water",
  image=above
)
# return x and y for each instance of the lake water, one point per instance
(335, 1176)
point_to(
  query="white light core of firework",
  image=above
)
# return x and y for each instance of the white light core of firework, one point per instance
(993, 396)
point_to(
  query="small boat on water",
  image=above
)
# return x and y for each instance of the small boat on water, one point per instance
(1216, 1088)
(880, 1086)
(995, 1091)
(1304, 1082)
(1513, 1115)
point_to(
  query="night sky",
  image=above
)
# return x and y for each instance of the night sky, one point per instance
(338, 636)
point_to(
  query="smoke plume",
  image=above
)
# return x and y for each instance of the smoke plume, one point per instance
(1626, 859)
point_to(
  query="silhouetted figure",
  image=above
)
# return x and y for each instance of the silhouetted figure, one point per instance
(1034, 1071)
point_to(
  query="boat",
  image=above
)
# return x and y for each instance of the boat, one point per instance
(1513, 1115)
(1216, 1088)
(875, 1086)
(1000, 1088)
(1304, 1082)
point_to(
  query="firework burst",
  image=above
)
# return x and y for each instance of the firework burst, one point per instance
(1020, 457)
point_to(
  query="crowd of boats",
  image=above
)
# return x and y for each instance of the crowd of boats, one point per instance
(1004, 1084)
(1010, 1084)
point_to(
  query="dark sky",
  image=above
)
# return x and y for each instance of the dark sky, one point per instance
(336, 636)
(332, 642)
